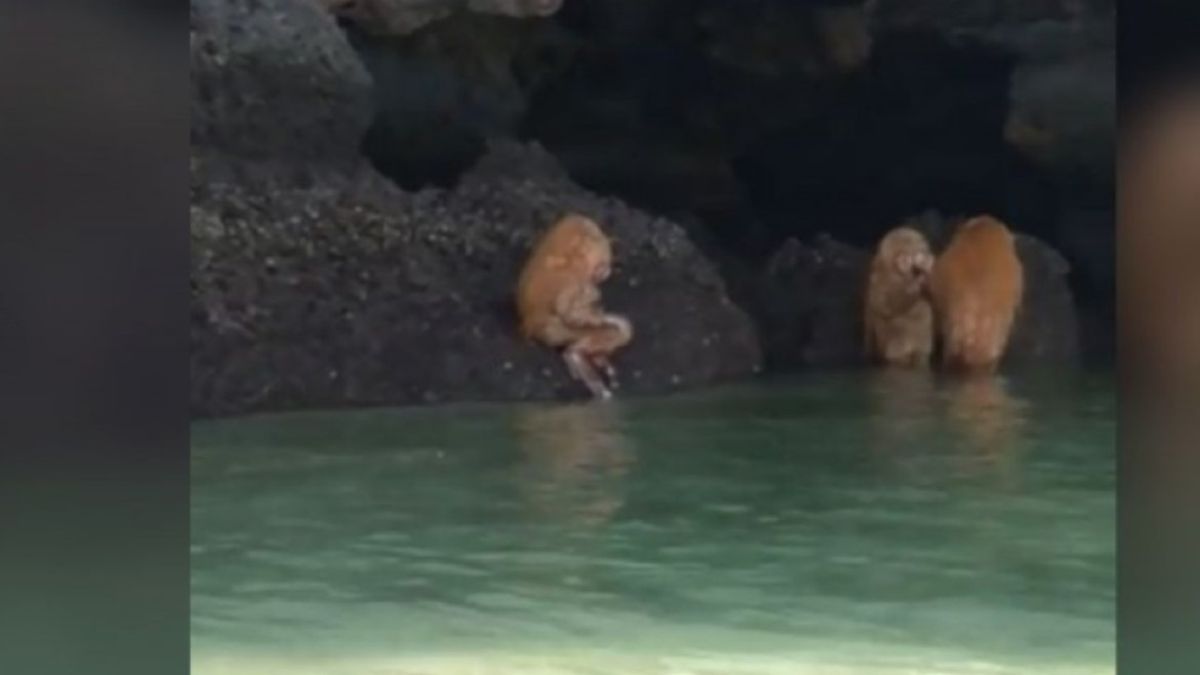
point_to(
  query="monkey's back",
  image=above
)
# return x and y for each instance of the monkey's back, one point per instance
(552, 266)
(976, 287)
(537, 289)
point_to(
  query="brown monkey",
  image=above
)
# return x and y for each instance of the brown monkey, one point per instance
(976, 288)
(558, 299)
(898, 319)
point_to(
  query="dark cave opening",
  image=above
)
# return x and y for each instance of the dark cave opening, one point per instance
(748, 123)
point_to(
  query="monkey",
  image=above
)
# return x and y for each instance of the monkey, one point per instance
(898, 317)
(977, 287)
(558, 301)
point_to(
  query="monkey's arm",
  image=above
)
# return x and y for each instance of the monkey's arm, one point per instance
(577, 306)
(903, 294)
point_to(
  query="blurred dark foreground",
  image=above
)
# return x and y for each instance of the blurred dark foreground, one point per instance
(93, 489)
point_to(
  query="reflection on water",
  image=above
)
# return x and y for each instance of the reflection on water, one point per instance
(577, 455)
(988, 419)
(834, 524)
(913, 410)
(903, 403)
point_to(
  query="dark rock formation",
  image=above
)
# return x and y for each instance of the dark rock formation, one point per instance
(318, 288)
(446, 88)
(809, 305)
(403, 17)
(760, 118)
(1047, 326)
(318, 282)
(275, 78)
(1062, 109)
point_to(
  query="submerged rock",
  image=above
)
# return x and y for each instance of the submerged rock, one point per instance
(318, 288)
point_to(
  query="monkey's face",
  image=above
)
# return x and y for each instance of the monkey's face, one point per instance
(916, 264)
(908, 252)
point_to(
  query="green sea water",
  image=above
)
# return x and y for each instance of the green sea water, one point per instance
(846, 523)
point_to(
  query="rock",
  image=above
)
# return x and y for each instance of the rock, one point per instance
(402, 17)
(1063, 90)
(775, 38)
(809, 312)
(317, 282)
(314, 288)
(1047, 326)
(1063, 113)
(275, 78)
(810, 305)
(444, 89)
(959, 16)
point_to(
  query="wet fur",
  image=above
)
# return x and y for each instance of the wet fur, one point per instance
(977, 287)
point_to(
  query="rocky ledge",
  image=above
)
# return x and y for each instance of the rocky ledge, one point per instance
(314, 287)
(317, 282)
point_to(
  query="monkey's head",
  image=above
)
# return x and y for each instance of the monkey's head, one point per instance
(580, 244)
(907, 251)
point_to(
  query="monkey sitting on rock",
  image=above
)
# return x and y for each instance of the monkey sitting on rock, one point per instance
(558, 300)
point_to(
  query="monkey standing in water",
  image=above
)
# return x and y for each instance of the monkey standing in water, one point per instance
(558, 300)
(977, 285)
(898, 319)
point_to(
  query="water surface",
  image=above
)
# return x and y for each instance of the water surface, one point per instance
(867, 523)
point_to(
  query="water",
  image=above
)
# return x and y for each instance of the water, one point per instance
(833, 524)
